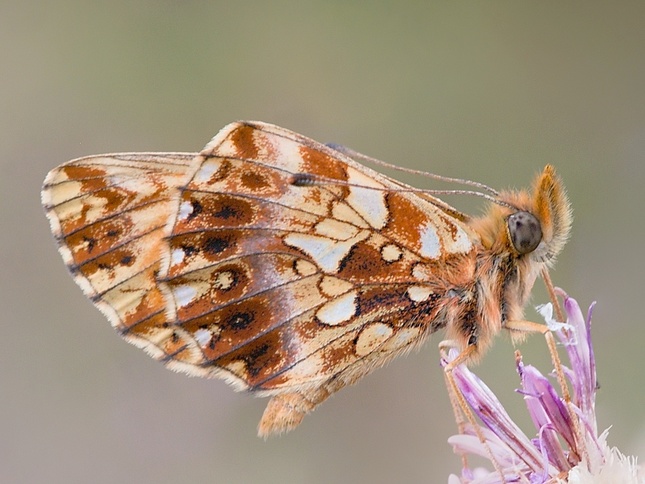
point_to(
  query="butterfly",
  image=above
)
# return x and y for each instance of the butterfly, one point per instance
(287, 268)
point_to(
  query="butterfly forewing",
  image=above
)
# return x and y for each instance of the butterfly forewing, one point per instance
(109, 215)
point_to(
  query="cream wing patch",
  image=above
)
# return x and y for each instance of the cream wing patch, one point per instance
(325, 252)
(391, 252)
(369, 203)
(338, 310)
(371, 337)
(430, 244)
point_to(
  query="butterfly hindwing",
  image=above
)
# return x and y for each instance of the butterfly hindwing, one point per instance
(285, 286)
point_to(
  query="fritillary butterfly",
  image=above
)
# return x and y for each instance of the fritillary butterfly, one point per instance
(287, 268)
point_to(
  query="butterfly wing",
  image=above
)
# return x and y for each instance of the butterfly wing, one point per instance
(108, 214)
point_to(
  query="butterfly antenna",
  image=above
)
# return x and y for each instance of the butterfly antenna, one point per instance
(310, 179)
(360, 156)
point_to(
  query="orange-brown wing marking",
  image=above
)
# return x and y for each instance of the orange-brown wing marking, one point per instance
(274, 281)
(108, 214)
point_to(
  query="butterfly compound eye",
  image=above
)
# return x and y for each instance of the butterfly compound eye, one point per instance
(525, 231)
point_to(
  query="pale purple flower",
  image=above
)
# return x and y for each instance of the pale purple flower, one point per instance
(566, 446)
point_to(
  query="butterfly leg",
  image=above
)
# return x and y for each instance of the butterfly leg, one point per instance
(456, 400)
(459, 406)
(527, 327)
(462, 412)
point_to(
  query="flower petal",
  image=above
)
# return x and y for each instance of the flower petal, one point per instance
(545, 406)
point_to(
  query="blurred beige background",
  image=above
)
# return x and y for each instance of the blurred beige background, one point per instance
(486, 90)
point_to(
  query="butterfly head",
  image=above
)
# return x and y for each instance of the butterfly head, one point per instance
(529, 225)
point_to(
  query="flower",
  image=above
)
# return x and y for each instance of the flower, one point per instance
(567, 446)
